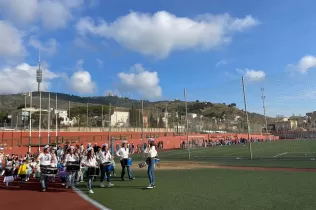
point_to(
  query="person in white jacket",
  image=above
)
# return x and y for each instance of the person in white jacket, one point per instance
(71, 157)
(123, 153)
(151, 156)
(90, 161)
(104, 156)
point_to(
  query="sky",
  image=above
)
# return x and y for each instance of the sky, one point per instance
(154, 49)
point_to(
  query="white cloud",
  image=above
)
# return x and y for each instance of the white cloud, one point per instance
(252, 75)
(81, 81)
(141, 81)
(221, 62)
(100, 62)
(22, 78)
(304, 65)
(11, 40)
(49, 47)
(53, 14)
(161, 33)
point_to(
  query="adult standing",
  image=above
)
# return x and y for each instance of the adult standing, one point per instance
(123, 153)
(151, 158)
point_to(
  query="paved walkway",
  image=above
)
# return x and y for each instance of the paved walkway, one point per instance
(28, 196)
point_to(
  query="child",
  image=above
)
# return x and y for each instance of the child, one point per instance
(62, 174)
(29, 170)
(37, 173)
(23, 171)
(80, 174)
(8, 173)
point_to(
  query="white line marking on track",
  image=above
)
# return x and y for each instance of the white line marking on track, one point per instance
(90, 200)
(280, 154)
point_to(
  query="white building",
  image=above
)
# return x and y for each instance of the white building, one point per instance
(64, 115)
(192, 115)
(120, 118)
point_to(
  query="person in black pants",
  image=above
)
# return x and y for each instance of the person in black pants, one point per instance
(123, 153)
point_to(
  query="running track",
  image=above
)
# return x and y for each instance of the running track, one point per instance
(28, 196)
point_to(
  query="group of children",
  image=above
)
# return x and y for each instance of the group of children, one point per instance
(23, 168)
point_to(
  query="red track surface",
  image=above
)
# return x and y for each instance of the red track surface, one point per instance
(28, 196)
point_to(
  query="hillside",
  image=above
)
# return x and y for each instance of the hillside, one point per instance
(211, 111)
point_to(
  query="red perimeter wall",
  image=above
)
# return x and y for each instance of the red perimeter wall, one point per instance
(15, 142)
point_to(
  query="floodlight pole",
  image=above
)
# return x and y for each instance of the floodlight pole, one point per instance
(30, 129)
(264, 109)
(143, 125)
(187, 122)
(248, 127)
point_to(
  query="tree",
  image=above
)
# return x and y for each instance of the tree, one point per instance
(152, 121)
(161, 124)
(135, 117)
(232, 105)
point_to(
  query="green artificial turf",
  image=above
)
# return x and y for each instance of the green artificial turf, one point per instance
(211, 189)
(282, 153)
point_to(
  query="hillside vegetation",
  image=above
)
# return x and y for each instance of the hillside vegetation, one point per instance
(210, 111)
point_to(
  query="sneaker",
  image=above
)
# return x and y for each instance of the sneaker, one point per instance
(133, 178)
(150, 186)
(91, 192)
(63, 184)
(66, 186)
(110, 185)
(102, 185)
(81, 181)
(43, 190)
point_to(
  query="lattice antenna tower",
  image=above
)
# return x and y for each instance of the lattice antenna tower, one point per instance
(39, 73)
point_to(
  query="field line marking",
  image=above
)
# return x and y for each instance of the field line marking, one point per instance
(90, 200)
(284, 153)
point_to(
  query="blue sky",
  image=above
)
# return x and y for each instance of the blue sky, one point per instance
(153, 50)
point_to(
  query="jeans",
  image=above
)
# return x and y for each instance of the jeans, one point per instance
(79, 176)
(150, 171)
(105, 174)
(71, 179)
(44, 181)
(90, 180)
(124, 166)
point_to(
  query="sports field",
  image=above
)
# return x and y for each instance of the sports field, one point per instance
(206, 182)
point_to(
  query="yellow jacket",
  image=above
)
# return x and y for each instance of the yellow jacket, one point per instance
(23, 169)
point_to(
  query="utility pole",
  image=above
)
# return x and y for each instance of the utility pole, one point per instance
(248, 127)
(186, 121)
(264, 108)
(48, 124)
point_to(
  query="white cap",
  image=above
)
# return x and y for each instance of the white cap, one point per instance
(106, 145)
(46, 147)
(72, 147)
(151, 139)
(1, 148)
(124, 142)
(90, 148)
(54, 148)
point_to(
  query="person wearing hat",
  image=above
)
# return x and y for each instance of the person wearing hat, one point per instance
(104, 156)
(71, 175)
(123, 153)
(54, 161)
(151, 155)
(45, 159)
(90, 161)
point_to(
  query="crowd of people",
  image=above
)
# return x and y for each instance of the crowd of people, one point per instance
(73, 164)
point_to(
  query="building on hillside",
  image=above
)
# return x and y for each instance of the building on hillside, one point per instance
(66, 121)
(21, 117)
(192, 115)
(120, 117)
(283, 125)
